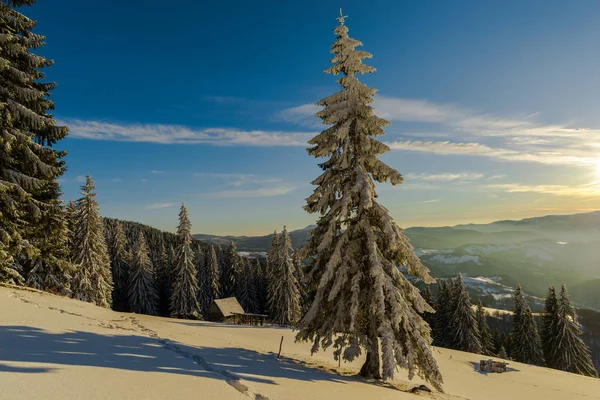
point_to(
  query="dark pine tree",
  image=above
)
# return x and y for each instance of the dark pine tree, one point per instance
(570, 353)
(465, 333)
(33, 234)
(485, 335)
(526, 346)
(143, 297)
(184, 300)
(549, 326)
(120, 259)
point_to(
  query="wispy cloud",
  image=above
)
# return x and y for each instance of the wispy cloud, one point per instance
(521, 138)
(303, 115)
(157, 206)
(155, 171)
(477, 149)
(444, 177)
(238, 179)
(260, 192)
(176, 134)
(591, 190)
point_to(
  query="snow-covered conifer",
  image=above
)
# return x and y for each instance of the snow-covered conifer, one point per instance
(143, 297)
(301, 279)
(184, 301)
(570, 353)
(92, 281)
(260, 277)
(427, 316)
(465, 333)
(248, 294)
(284, 297)
(32, 230)
(230, 271)
(443, 315)
(120, 259)
(485, 335)
(526, 346)
(212, 286)
(51, 270)
(356, 248)
(549, 332)
(163, 278)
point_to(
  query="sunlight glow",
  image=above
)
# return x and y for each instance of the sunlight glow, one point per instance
(598, 167)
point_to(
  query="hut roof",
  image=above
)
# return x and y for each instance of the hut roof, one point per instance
(229, 306)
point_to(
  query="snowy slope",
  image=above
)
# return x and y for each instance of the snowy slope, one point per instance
(58, 348)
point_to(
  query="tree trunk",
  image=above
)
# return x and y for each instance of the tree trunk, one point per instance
(371, 367)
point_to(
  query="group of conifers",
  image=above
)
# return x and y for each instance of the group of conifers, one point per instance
(360, 303)
(552, 339)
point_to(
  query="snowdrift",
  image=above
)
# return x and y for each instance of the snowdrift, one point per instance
(58, 348)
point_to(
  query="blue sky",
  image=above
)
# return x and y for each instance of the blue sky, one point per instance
(494, 106)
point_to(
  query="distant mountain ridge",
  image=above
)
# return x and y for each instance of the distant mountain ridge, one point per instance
(534, 252)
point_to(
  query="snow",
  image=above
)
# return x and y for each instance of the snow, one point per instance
(58, 348)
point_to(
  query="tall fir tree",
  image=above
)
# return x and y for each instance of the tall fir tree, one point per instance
(550, 333)
(92, 281)
(32, 221)
(184, 301)
(52, 270)
(163, 278)
(248, 294)
(284, 298)
(301, 279)
(120, 259)
(356, 248)
(526, 346)
(230, 271)
(443, 315)
(465, 332)
(570, 353)
(143, 297)
(261, 286)
(212, 284)
(485, 335)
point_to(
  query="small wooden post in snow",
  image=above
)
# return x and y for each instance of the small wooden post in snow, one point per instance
(280, 344)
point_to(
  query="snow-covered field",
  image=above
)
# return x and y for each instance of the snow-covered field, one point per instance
(57, 348)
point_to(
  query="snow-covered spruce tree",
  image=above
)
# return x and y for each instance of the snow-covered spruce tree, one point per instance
(260, 278)
(485, 335)
(526, 346)
(465, 333)
(284, 298)
(443, 315)
(301, 279)
(184, 302)
(362, 297)
(92, 281)
(230, 271)
(272, 256)
(143, 297)
(248, 294)
(32, 226)
(163, 278)
(120, 259)
(549, 332)
(212, 284)
(570, 353)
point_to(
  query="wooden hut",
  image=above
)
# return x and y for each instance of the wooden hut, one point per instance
(492, 366)
(224, 310)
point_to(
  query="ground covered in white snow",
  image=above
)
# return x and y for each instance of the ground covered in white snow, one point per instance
(58, 348)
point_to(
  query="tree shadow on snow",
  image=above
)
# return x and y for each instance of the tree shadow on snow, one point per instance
(141, 353)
